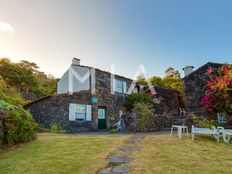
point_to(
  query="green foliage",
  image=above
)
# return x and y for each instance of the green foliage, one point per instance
(172, 80)
(19, 125)
(56, 128)
(9, 95)
(145, 116)
(157, 81)
(16, 75)
(113, 130)
(134, 98)
(141, 79)
(23, 77)
(203, 122)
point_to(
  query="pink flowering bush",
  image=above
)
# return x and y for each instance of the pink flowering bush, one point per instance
(218, 97)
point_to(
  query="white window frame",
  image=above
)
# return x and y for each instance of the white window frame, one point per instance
(120, 86)
(81, 109)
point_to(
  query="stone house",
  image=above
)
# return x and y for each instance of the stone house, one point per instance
(86, 99)
(195, 85)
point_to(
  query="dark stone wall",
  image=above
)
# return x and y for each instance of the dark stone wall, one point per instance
(195, 87)
(112, 102)
(170, 99)
(55, 109)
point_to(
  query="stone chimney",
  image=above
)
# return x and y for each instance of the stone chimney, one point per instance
(76, 61)
(188, 70)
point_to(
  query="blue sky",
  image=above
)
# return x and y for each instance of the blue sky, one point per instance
(127, 33)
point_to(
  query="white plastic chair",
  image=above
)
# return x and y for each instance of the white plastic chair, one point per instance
(227, 133)
(183, 113)
(221, 119)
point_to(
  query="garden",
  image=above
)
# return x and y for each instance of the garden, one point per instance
(62, 153)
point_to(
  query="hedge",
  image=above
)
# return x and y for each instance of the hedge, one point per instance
(18, 125)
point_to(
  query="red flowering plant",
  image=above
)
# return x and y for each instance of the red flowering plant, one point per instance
(218, 97)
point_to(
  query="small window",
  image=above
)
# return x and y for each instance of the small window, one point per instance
(120, 86)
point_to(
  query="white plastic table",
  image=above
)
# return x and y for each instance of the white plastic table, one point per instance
(180, 129)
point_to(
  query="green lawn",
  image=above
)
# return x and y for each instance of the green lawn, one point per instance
(159, 154)
(57, 154)
(165, 154)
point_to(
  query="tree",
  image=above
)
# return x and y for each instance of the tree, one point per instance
(23, 77)
(29, 65)
(157, 81)
(173, 80)
(141, 79)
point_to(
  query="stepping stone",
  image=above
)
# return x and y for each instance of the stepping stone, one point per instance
(131, 142)
(137, 137)
(128, 149)
(105, 171)
(121, 169)
(118, 159)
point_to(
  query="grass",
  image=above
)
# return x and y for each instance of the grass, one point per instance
(84, 154)
(165, 154)
(59, 154)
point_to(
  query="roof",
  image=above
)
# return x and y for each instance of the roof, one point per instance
(158, 88)
(37, 100)
(202, 67)
(104, 71)
(51, 95)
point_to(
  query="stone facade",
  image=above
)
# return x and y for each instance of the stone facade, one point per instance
(195, 86)
(171, 100)
(55, 108)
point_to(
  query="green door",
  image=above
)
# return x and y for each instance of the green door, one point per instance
(101, 118)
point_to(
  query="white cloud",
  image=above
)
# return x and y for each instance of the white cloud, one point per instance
(4, 26)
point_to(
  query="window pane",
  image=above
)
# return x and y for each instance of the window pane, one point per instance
(119, 87)
(79, 116)
(101, 113)
(80, 112)
(80, 108)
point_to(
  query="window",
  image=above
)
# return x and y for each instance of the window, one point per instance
(80, 112)
(101, 113)
(120, 86)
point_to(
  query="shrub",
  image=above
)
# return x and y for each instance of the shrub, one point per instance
(19, 125)
(145, 116)
(113, 130)
(135, 98)
(203, 122)
(56, 128)
(218, 97)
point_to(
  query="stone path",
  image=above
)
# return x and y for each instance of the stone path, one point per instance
(118, 163)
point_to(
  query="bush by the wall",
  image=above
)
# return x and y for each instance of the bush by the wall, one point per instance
(145, 117)
(56, 128)
(19, 125)
(203, 122)
(135, 98)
